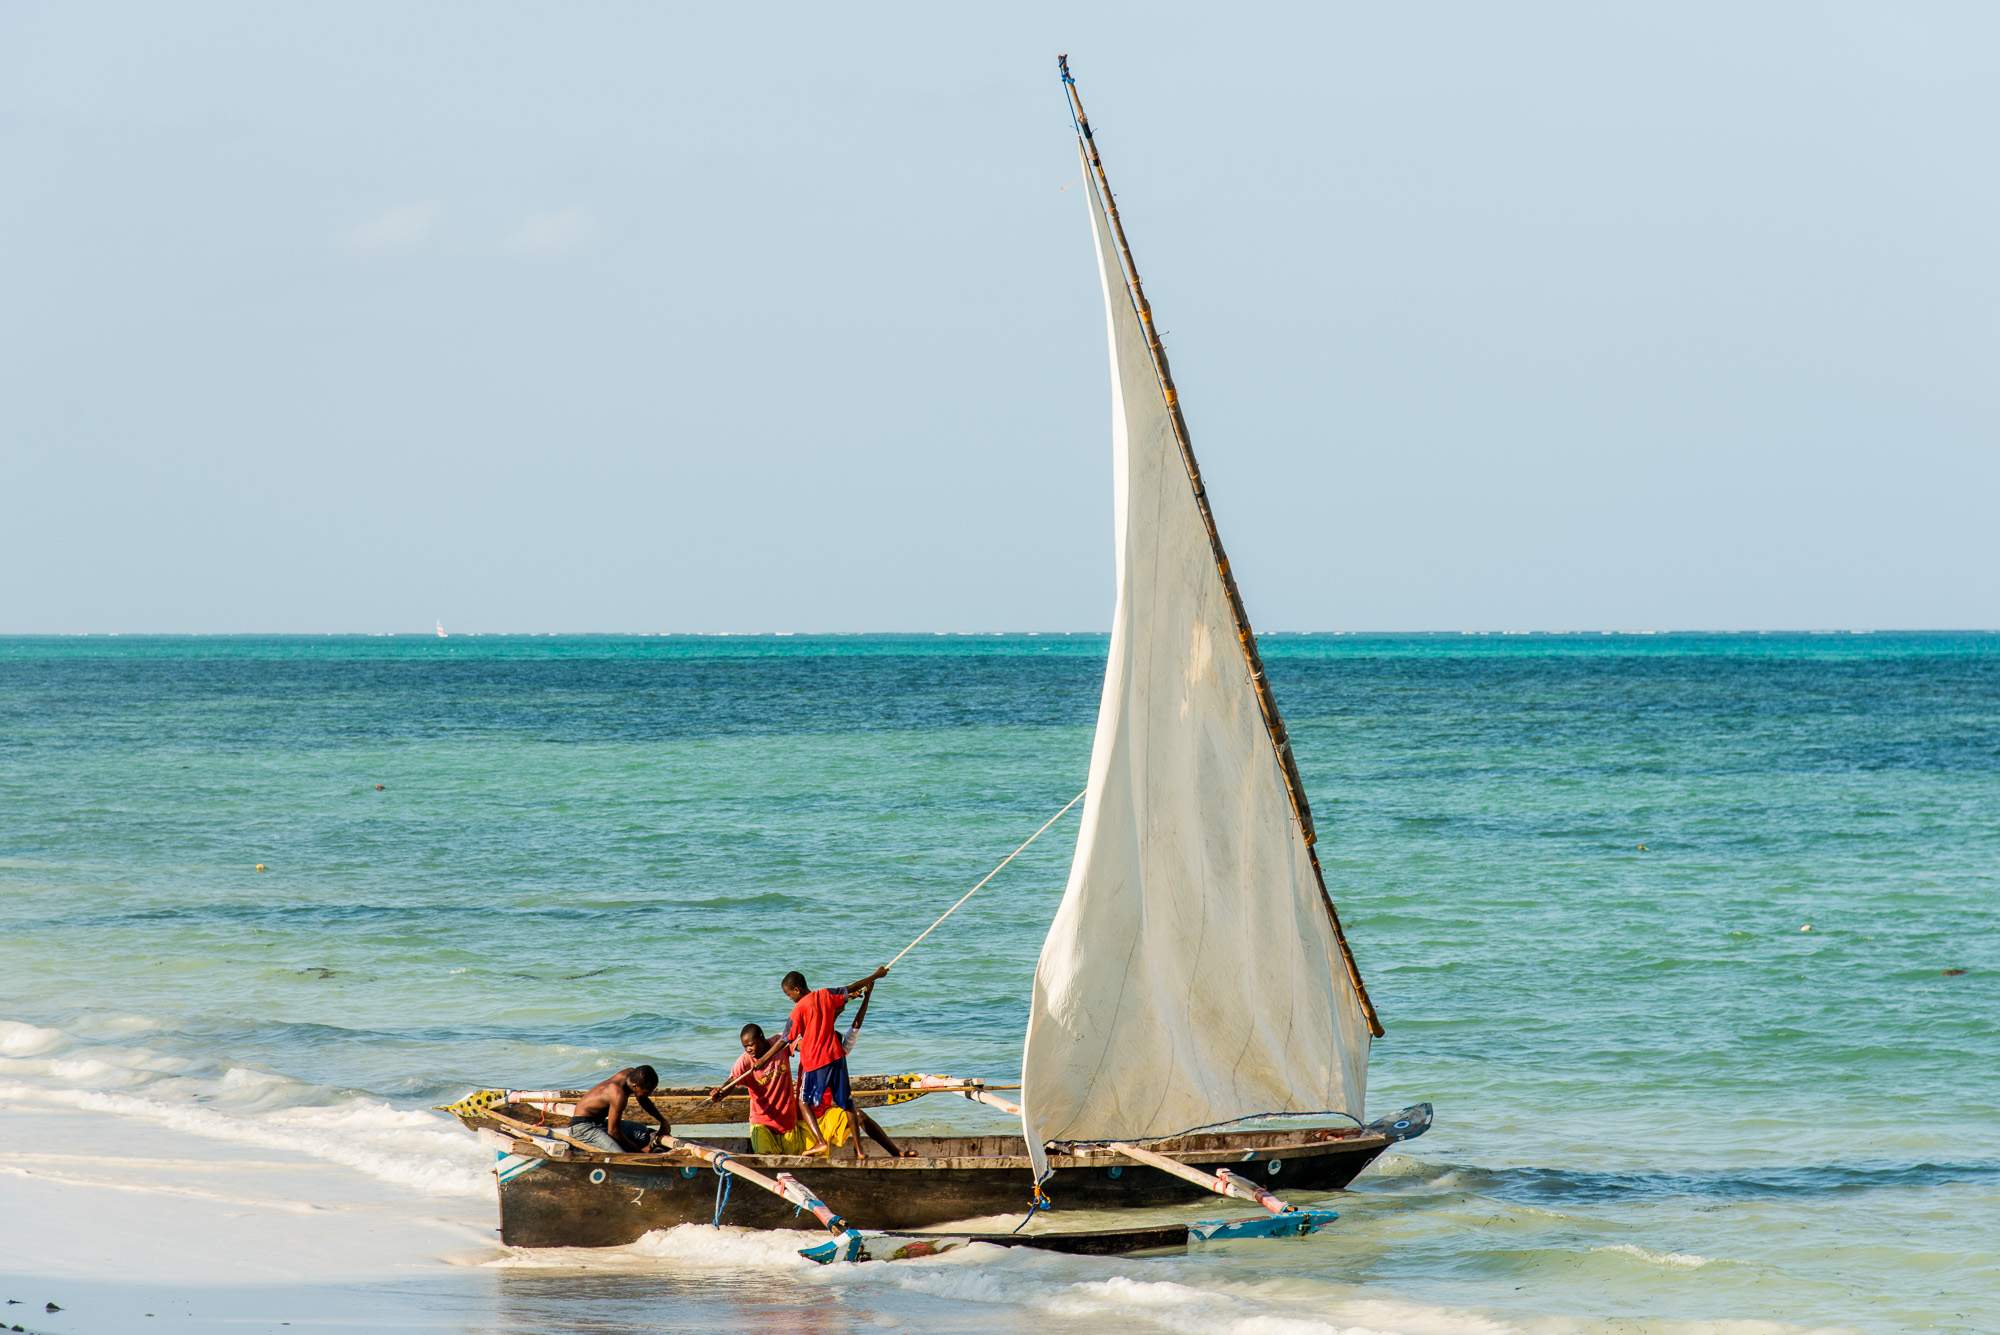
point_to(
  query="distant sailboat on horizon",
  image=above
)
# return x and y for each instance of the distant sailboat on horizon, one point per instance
(441, 634)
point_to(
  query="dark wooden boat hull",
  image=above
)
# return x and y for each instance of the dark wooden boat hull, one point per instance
(611, 1200)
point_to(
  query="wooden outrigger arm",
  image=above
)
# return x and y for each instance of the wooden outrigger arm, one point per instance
(786, 1186)
(976, 1094)
(1222, 1182)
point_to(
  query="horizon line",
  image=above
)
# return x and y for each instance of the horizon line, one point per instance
(961, 634)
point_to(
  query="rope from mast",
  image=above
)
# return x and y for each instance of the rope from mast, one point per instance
(990, 875)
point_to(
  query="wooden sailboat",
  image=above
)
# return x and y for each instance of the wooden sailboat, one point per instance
(1195, 978)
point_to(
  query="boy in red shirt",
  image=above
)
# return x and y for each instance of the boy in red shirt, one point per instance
(822, 1061)
(775, 1124)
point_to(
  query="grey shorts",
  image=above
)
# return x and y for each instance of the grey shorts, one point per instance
(595, 1134)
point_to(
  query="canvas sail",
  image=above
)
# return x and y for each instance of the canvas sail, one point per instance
(1192, 974)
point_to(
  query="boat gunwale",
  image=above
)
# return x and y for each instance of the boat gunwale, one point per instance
(1244, 1146)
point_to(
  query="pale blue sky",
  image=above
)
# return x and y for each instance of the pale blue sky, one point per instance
(637, 317)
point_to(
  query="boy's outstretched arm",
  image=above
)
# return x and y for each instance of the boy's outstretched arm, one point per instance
(869, 981)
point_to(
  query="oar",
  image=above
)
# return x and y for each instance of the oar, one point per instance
(1223, 1183)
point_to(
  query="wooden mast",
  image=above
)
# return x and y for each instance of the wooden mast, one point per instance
(1274, 722)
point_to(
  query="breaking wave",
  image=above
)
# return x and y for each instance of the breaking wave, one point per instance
(46, 1068)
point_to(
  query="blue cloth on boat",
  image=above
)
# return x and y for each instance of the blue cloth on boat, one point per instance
(596, 1133)
(825, 1086)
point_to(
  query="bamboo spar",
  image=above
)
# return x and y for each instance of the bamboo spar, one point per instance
(786, 1187)
(1267, 703)
(1223, 1183)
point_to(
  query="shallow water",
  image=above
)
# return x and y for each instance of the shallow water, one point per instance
(1662, 1106)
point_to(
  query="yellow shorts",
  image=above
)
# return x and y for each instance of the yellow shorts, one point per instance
(836, 1124)
(763, 1140)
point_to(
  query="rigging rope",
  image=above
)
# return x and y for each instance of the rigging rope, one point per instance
(1039, 1201)
(722, 1185)
(854, 1030)
(991, 874)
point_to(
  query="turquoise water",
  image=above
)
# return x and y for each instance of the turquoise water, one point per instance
(1662, 1104)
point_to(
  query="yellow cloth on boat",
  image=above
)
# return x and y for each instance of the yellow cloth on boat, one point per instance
(763, 1140)
(835, 1124)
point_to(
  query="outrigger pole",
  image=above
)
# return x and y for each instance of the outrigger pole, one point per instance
(1267, 703)
(1285, 1220)
(1222, 1182)
(787, 1186)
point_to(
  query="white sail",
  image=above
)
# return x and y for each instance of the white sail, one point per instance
(1192, 975)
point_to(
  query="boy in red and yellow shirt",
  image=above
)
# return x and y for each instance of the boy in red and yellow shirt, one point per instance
(775, 1124)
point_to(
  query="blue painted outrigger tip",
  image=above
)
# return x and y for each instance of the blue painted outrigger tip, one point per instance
(844, 1246)
(1291, 1224)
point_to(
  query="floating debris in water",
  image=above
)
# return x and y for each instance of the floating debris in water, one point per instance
(1951, 973)
(1806, 928)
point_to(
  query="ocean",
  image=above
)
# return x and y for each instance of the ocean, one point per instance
(1689, 938)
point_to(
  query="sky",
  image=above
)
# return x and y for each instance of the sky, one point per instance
(643, 317)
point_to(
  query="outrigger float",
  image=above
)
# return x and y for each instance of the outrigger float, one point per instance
(1195, 981)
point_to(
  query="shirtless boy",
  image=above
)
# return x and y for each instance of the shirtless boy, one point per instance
(598, 1116)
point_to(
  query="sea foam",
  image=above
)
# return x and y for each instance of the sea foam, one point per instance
(1678, 1260)
(423, 1151)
